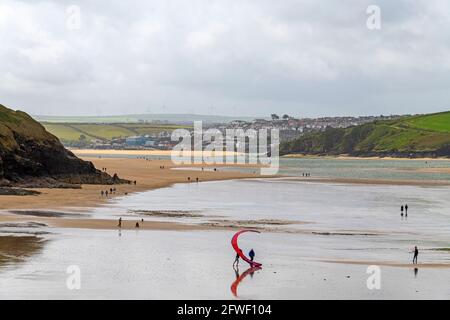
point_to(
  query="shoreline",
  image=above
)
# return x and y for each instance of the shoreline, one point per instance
(418, 183)
(146, 152)
(347, 157)
(390, 264)
(149, 175)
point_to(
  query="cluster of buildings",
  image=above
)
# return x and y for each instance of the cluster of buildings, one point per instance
(160, 141)
(291, 128)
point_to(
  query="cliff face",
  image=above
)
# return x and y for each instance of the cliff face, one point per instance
(31, 156)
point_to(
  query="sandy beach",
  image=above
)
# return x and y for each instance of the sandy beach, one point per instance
(309, 247)
(147, 174)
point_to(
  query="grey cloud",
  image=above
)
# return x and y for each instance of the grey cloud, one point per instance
(305, 58)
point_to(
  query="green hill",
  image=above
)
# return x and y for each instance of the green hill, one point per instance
(30, 156)
(414, 136)
(71, 132)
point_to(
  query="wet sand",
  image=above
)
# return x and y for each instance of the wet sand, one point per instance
(65, 220)
(420, 183)
(390, 264)
(198, 265)
(347, 157)
(17, 248)
(321, 260)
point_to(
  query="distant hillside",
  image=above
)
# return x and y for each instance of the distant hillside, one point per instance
(133, 118)
(415, 136)
(71, 132)
(30, 156)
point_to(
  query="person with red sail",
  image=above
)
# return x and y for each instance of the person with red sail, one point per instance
(236, 260)
(234, 243)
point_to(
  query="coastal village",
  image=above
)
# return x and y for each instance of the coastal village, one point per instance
(289, 128)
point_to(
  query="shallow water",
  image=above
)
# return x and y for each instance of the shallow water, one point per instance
(343, 168)
(338, 222)
(325, 207)
(197, 265)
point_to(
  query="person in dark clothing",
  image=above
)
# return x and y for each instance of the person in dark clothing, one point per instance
(120, 222)
(251, 254)
(401, 210)
(236, 260)
(406, 210)
(416, 254)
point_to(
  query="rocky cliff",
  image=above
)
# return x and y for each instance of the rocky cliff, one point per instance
(32, 157)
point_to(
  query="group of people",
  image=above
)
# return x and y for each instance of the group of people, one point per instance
(306, 174)
(251, 254)
(189, 179)
(404, 212)
(108, 192)
(137, 225)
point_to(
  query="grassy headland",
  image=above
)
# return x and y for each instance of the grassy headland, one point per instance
(414, 136)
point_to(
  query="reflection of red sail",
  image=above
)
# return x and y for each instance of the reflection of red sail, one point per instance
(235, 284)
(234, 243)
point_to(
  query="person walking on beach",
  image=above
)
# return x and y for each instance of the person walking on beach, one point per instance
(251, 254)
(120, 222)
(416, 254)
(102, 193)
(406, 210)
(401, 210)
(236, 260)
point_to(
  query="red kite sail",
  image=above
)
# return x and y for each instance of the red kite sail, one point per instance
(234, 243)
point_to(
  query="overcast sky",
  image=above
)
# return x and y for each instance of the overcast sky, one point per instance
(229, 57)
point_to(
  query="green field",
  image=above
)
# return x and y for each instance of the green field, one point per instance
(71, 132)
(439, 122)
(423, 135)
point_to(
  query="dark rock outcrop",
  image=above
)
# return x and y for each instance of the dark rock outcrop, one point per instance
(32, 157)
